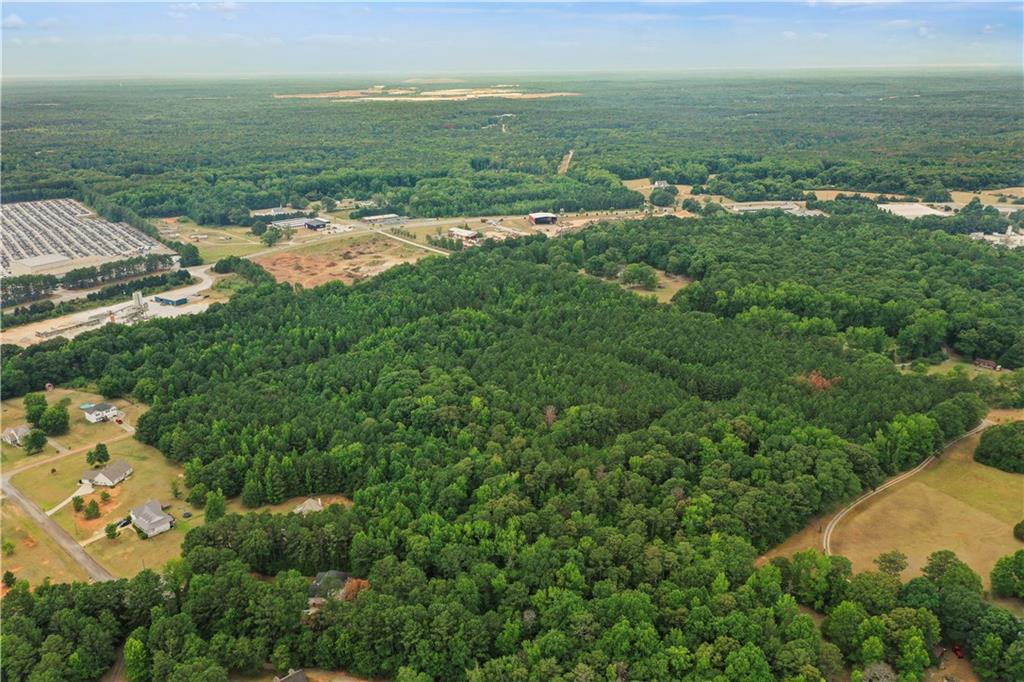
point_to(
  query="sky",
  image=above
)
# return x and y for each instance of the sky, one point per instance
(161, 39)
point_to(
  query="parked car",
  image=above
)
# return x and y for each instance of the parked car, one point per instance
(187, 515)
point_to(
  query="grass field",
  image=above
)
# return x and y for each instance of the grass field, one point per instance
(36, 556)
(12, 413)
(220, 242)
(955, 504)
(151, 480)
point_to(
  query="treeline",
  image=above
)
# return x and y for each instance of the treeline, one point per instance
(846, 274)
(45, 310)
(1002, 447)
(84, 278)
(23, 288)
(245, 268)
(758, 138)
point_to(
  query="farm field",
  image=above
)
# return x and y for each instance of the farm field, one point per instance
(347, 260)
(955, 504)
(36, 556)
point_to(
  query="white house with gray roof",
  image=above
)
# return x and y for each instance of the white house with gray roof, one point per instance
(151, 518)
(100, 412)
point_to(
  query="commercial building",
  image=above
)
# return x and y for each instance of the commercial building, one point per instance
(316, 223)
(542, 218)
(163, 300)
(382, 218)
(463, 234)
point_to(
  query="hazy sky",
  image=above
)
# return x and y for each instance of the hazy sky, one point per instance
(229, 38)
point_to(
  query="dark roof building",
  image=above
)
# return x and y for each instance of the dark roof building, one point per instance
(317, 223)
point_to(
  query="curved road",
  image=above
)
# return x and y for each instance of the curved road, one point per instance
(826, 540)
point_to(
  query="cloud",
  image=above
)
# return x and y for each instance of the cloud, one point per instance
(48, 22)
(818, 35)
(13, 21)
(341, 39)
(789, 35)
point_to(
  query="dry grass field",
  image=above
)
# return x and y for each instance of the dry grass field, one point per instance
(288, 506)
(348, 260)
(35, 556)
(990, 196)
(954, 504)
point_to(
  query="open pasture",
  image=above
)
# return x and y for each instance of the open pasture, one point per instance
(36, 556)
(955, 504)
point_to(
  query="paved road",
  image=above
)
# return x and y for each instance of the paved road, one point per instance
(61, 536)
(826, 540)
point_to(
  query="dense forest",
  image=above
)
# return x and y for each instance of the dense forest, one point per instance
(554, 478)
(214, 150)
(889, 285)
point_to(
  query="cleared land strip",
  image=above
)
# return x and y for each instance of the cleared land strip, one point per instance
(59, 535)
(563, 167)
(826, 540)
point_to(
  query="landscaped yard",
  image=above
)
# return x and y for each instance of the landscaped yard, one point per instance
(35, 556)
(151, 480)
(12, 413)
(128, 554)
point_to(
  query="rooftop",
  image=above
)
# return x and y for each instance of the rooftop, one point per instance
(119, 468)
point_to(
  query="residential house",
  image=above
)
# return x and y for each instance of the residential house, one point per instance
(100, 412)
(310, 505)
(110, 475)
(151, 518)
(16, 435)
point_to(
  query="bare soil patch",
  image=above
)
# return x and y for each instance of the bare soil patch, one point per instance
(412, 93)
(347, 260)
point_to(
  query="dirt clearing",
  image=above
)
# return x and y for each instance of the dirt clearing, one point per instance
(345, 260)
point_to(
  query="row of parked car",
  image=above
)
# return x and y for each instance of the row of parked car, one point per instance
(63, 226)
